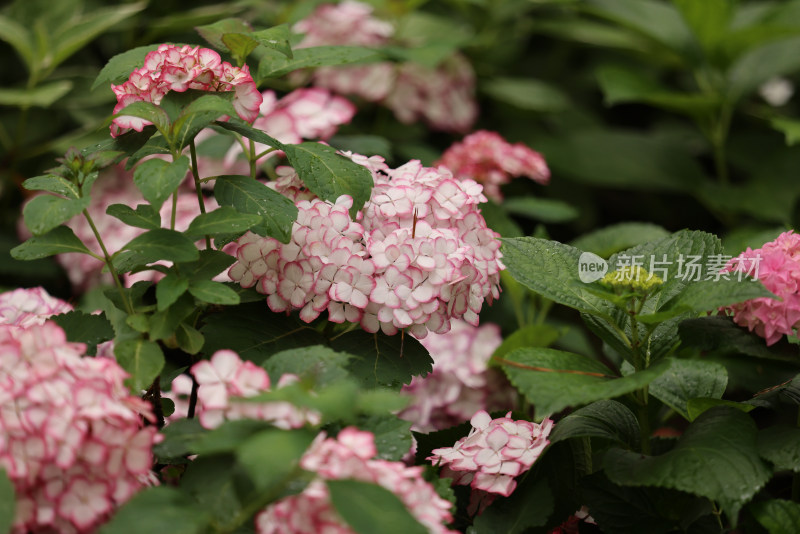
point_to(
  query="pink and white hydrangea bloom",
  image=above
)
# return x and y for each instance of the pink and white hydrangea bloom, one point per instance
(173, 68)
(225, 378)
(777, 266)
(25, 307)
(490, 160)
(461, 382)
(495, 452)
(351, 456)
(72, 439)
(419, 255)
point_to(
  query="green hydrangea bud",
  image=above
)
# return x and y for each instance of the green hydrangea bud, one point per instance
(632, 278)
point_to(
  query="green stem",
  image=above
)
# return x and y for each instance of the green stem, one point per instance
(196, 175)
(644, 421)
(109, 263)
(719, 136)
(253, 159)
(174, 210)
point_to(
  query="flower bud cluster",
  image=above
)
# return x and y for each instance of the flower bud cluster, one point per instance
(351, 456)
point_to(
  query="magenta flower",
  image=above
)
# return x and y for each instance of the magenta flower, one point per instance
(71, 436)
(777, 266)
(490, 160)
(351, 456)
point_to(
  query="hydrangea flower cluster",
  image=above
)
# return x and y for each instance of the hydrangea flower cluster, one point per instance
(777, 266)
(443, 96)
(460, 383)
(25, 307)
(226, 377)
(490, 160)
(492, 455)
(173, 68)
(419, 255)
(71, 436)
(351, 456)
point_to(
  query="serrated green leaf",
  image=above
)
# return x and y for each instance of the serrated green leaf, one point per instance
(276, 38)
(8, 502)
(84, 328)
(223, 220)
(163, 244)
(781, 446)
(330, 175)
(392, 435)
(277, 65)
(607, 419)
(52, 184)
(144, 216)
(272, 456)
(169, 289)
(527, 93)
(777, 516)
(370, 508)
(45, 212)
(617, 237)
(142, 359)
(213, 33)
(529, 506)
(59, 240)
(696, 406)
(252, 197)
(701, 462)
(689, 379)
(158, 509)
(240, 45)
(318, 363)
(119, 67)
(542, 209)
(552, 379)
(147, 111)
(158, 179)
(213, 292)
(42, 96)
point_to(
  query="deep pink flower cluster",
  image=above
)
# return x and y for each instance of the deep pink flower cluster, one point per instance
(460, 383)
(224, 378)
(25, 307)
(351, 456)
(173, 68)
(490, 160)
(71, 436)
(492, 455)
(419, 255)
(443, 96)
(777, 266)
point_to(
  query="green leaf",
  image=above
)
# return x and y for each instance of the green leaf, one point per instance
(169, 288)
(179, 439)
(84, 328)
(276, 38)
(52, 184)
(392, 435)
(240, 45)
(317, 363)
(164, 323)
(242, 128)
(532, 335)
(42, 96)
(144, 216)
(529, 506)
(211, 263)
(542, 209)
(789, 127)
(695, 407)
(158, 179)
(20, 38)
(689, 379)
(204, 109)
(44, 212)
(158, 509)
(223, 220)
(607, 419)
(277, 65)
(252, 197)
(777, 516)
(7, 502)
(552, 379)
(330, 175)
(780, 445)
(149, 112)
(709, 21)
(213, 33)
(527, 93)
(163, 244)
(370, 508)
(271, 457)
(119, 67)
(617, 237)
(189, 339)
(213, 292)
(212, 482)
(142, 359)
(760, 64)
(701, 463)
(59, 240)
(228, 436)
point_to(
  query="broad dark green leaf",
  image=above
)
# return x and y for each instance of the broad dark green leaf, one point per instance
(163, 244)
(760, 64)
(179, 439)
(213, 292)
(689, 379)
(52, 184)
(158, 179)
(199, 113)
(147, 111)
(142, 359)
(242, 128)
(720, 334)
(392, 435)
(527, 93)
(44, 212)
(552, 379)
(144, 216)
(240, 45)
(617, 237)
(529, 506)
(276, 65)
(709, 21)
(213, 33)
(223, 220)
(318, 363)
(271, 457)
(695, 407)
(276, 38)
(42, 96)
(330, 175)
(59, 240)
(212, 482)
(163, 323)
(189, 339)
(370, 508)
(252, 197)
(119, 67)
(158, 509)
(607, 419)
(84, 328)
(777, 516)
(8, 502)
(533, 335)
(701, 463)
(542, 209)
(211, 263)
(169, 288)
(781, 446)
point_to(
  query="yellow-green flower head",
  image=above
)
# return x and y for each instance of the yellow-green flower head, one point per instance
(632, 278)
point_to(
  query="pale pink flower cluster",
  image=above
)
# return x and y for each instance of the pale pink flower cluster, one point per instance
(490, 160)
(494, 453)
(777, 266)
(71, 436)
(25, 307)
(225, 380)
(351, 456)
(443, 96)
(173, 68)
(419, 255)
(461, 382)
